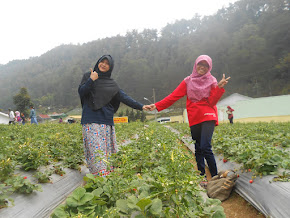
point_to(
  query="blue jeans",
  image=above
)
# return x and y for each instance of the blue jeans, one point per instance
(34, 120)
(202, 134)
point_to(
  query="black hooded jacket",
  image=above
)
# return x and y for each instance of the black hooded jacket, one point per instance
(101, 98)
(103, 90)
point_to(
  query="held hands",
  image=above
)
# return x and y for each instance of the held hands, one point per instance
(223, 81)
(146, 107)
(94, 75)
(150, 107)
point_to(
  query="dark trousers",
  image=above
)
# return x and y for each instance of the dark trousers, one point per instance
(202, 134)
(231, 120)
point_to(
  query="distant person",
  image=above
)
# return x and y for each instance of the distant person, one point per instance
(11, 116)
(100, 98)
(23, 118)
(203, 92)
(32, 116)
(230, 114)
(17, 117)
(60, 120)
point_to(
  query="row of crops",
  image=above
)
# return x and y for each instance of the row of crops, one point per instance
(44, 150)
(262, 148)
(153, 175)
(153, 178)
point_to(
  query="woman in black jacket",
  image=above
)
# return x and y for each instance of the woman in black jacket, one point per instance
(100, 97)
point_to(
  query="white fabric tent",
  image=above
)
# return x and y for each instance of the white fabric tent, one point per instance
(4, 118)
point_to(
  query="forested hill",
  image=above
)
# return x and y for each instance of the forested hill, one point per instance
(248, 41)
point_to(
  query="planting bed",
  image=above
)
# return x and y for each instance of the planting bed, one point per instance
(154, 177)
(260, 154)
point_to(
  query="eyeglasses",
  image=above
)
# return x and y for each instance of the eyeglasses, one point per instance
(203, 65)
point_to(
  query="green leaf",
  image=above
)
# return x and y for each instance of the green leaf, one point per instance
(132, 201)
(87, 197)
(100, 202)
(219, 214)
(156, 206)
(71, 202)
(211, 202)
(143, 203)
(174, 198)
(60, 212)
(144, 194)
(122, 205)
(87, 207)
(78, 193)
(97, 192)
(140, 216)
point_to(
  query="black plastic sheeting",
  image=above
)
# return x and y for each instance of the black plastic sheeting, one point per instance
(41, 204)
(270, 198)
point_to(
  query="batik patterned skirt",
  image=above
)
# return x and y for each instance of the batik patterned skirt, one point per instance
(99, 143)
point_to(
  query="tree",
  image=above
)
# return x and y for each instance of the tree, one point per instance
(120, 114)
(131, 116)
(127, 112)
(138, 115)
(22, 101)
(246, 41)
(143, 116)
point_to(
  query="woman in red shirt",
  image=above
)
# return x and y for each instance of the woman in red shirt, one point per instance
(203, 92)
(230, 114)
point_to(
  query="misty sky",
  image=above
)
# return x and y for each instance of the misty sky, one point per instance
(32, 27)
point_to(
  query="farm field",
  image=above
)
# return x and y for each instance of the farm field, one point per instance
(154, 177)
(263, 119)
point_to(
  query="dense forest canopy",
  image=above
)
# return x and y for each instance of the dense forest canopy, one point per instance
(249, 41)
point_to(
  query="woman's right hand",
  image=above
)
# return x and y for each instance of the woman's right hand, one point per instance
(94, 75)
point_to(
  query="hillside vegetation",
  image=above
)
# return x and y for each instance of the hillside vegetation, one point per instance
(249, 41)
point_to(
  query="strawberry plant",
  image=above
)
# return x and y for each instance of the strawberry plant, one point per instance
(23, 147)
(7, 167)
(4, 196)
(285, 177)
(147, 183)
(58, 169)
(43, 177)
(257, 146)
(31, 157)
(22, 185)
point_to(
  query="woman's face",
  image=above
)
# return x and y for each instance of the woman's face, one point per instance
(202, 67)
(104, 66)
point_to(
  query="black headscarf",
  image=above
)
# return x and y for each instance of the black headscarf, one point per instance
(104, 89)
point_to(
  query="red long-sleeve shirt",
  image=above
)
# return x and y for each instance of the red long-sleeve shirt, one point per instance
(231, 113)
(197, 112)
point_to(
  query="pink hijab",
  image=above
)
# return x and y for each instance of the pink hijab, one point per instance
(199, 86)
(17, 113)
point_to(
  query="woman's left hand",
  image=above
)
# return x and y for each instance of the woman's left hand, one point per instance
(223, 81)
(146, 107)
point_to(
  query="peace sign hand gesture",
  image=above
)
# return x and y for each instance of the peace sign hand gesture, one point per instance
(223, 81)
(94, 75)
